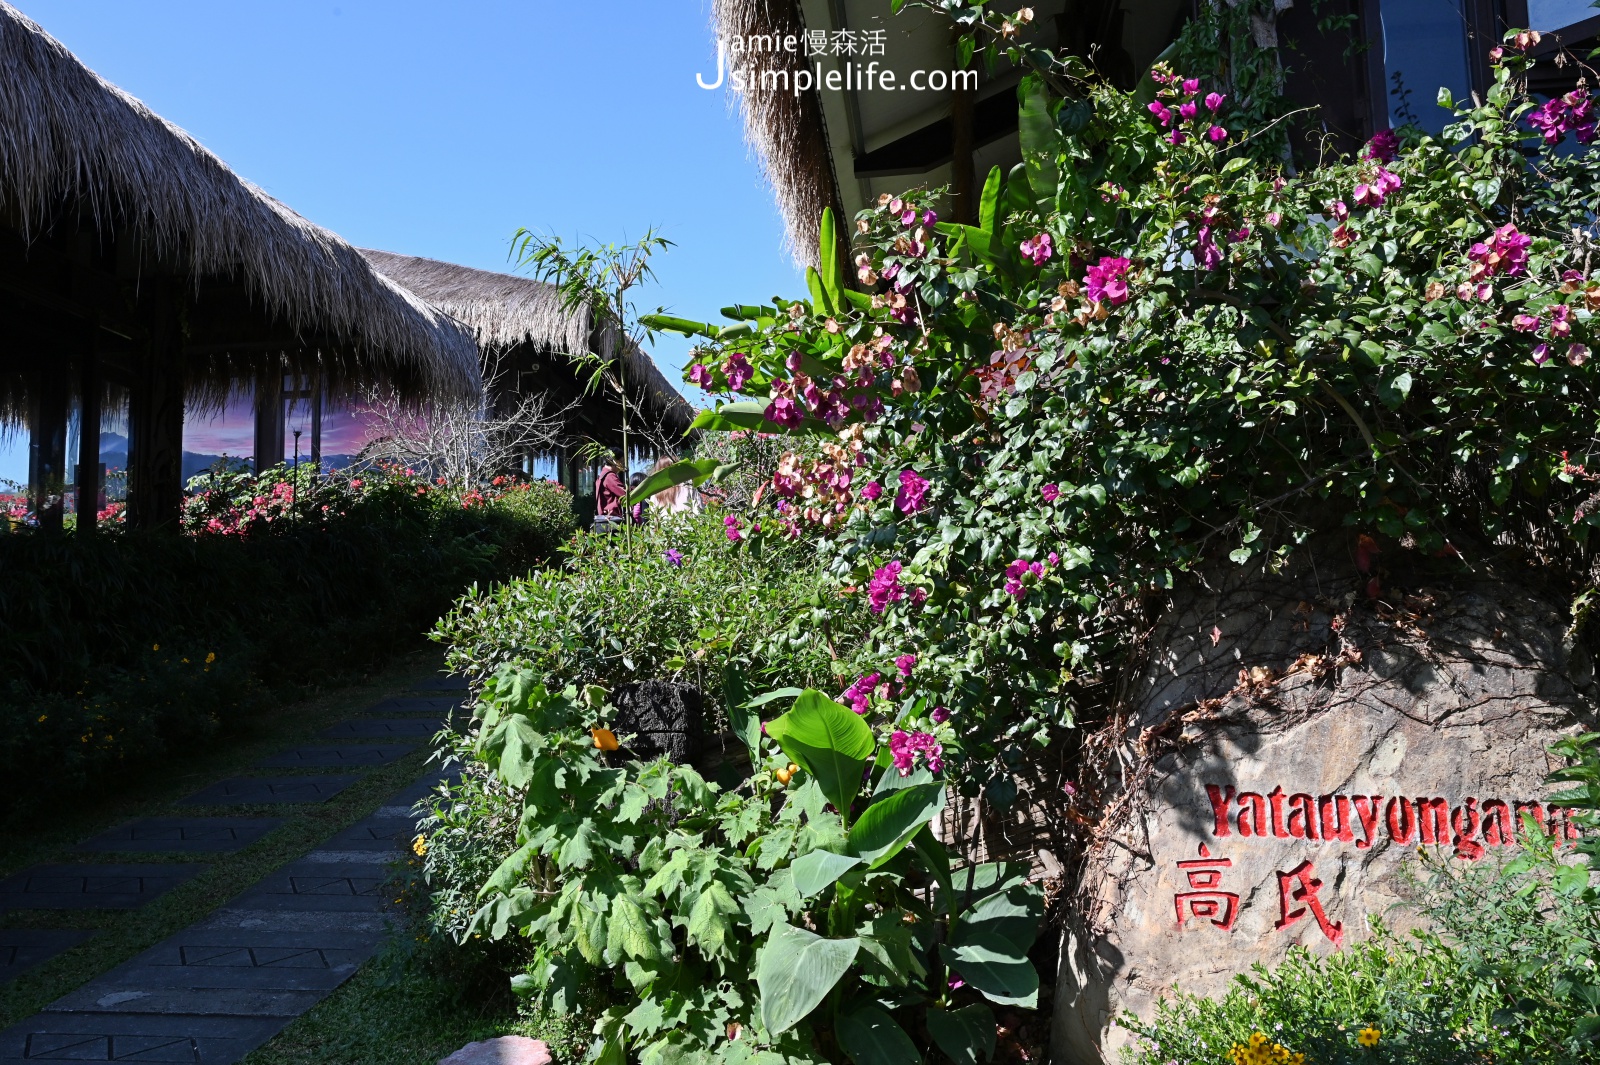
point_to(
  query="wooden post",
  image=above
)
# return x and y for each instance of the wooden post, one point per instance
(155, 422)
(91, 473)
(47, 448)
(269, 417)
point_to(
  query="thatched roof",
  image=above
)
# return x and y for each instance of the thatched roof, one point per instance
(504, 311)
(784, 129)
(70, 140)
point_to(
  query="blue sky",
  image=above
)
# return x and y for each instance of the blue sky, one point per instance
(438, 129)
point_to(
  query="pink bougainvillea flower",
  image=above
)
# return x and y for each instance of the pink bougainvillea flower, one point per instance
(1038, 249)
(1578, 354)
(940, 715)
(918, 596)
(1106, 281)
(1191, 86)
(1541, 354)
(929, 217)
(700, 376)
(739, 371)
(1505, 252)
(673, 556)
(871, 491)
(1217, 134)
(859, 694)
(1525, 323)
(1051, 492)
(910, 497)
(1188, 110)
(1177, 137)
(905, 664)
(1162, 113)
(885, 588)
(730, 527)
(1214, 101)
(1055, 559)
(1207, 252)
(782, 411)
(906, 747)
(1561, 321)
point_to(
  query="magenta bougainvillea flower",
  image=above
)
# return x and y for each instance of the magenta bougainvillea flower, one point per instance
(1107, 281)
(905, 664)
(912, 493)
(738, 370)
(871, 491)
(731, 527)
(700, 376)
(884, 588)
(1214, 101)
(1572, 113)
(1505, 252)
(859, 694)
(906, 747)
(940, 715)
(1162, 112)
(1383, 147)
(1525, 323)
(1217, 134)
(782, 411)
(1051, 492)
(1038, 249)
(1019, 571)
(1374, 192)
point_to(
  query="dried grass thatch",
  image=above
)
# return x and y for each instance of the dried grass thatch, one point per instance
(505, 311)
(70, 140)
(786, 131)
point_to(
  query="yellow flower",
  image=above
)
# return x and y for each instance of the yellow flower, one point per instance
(419, 846)
(155, 647)
(185, 661)
(42, 717)
(211, 657)
(1368, 1037)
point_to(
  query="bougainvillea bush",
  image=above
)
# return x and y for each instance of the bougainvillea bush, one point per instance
(1157, 350)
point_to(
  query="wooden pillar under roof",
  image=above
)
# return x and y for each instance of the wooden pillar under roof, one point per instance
(47, 445)
(91, 472)
(155, 420)
(269, 416)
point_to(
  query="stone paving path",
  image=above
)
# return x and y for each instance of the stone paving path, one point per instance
(228, 983)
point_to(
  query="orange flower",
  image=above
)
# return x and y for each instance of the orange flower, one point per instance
(604, 738)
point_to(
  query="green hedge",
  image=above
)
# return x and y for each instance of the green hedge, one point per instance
(124, 646)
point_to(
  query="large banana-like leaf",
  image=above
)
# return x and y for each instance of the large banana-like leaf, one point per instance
(795, 971)
(831, 741)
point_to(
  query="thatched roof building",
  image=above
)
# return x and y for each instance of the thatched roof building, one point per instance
(525, 336)
(131, 255)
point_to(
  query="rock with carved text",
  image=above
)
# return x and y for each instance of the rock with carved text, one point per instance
(1301, 739)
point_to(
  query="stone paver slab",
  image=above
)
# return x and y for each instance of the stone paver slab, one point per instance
(370, 728)
(441, 684)
(440, 706)
(338, 755)
(23, 948)
(237, 973)
(319, 886)
(183, 834)
(91, 887)
(240, 791)
(134, 1037)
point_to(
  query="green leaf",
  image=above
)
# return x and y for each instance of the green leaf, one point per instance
(963, 1034)
(749, 415)
(828, 258)
(666, 323)
(817, 870)
(991, 964)
(888, 824)
(735, 696)
(671, 477)
(708, 923)
(1040, 143)
(795, 971)
(819, 294)
(989, 201)
(937, 861)
(872, 1037)
(830, 741)
(1013, 915)
(628, 931)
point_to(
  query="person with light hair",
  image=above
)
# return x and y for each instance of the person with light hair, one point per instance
(679, 499)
